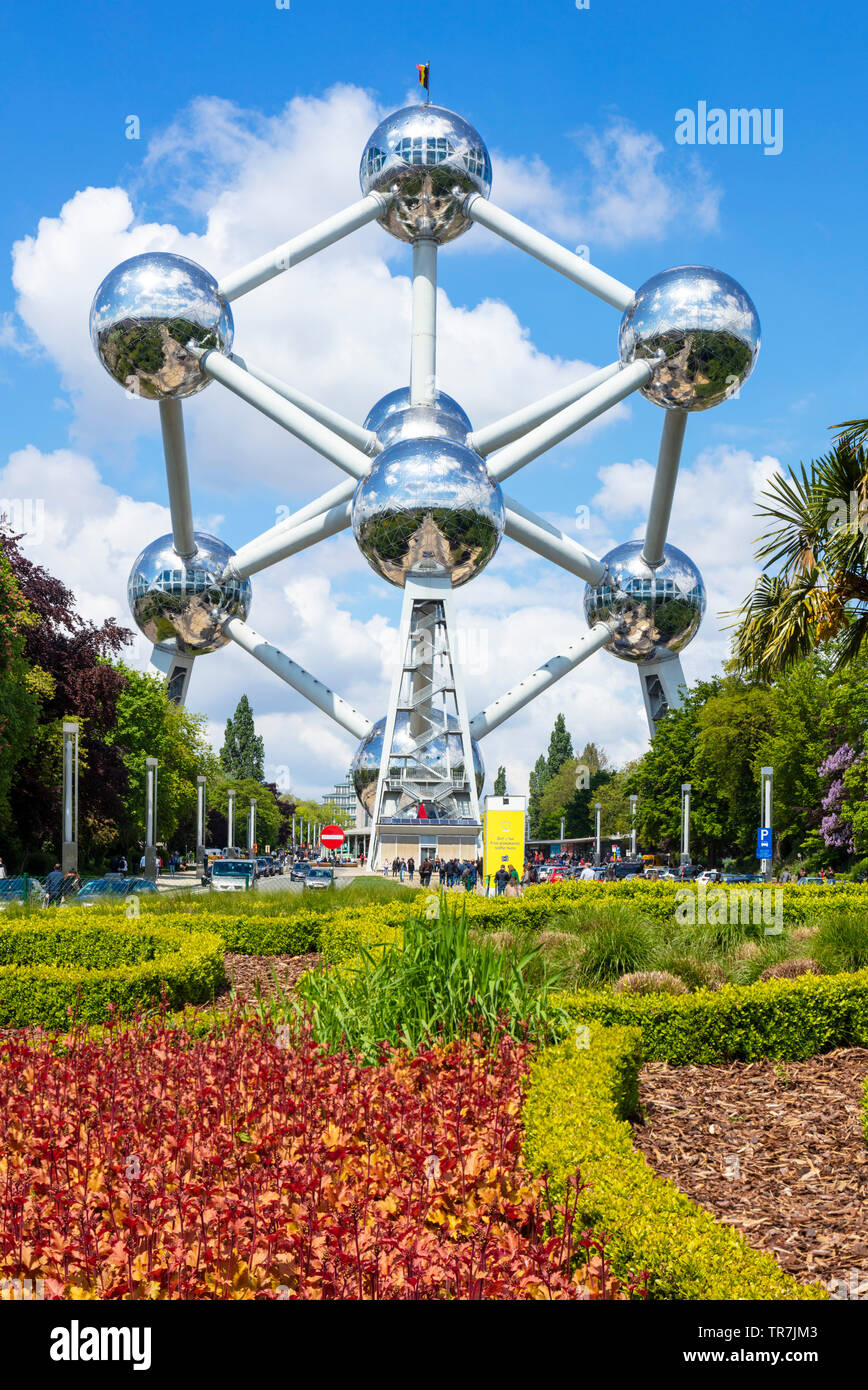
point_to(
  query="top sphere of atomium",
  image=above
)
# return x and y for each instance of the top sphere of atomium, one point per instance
(145, 313)
(187, 602)
(428, 508)
(658, 610)
(393, 418)
(707, 327)
(432, 159)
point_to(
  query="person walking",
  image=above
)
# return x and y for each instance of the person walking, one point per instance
(411, 867)
(53, 886)
(501, 879)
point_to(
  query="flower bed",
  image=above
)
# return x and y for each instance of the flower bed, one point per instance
(576, 1116)
(244, 1164)
(93, 967)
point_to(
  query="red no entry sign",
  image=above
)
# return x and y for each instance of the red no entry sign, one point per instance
(332, 836)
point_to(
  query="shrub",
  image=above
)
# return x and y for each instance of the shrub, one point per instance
(575, 1118)
(52, 970)
(787, 1019)
(616, 949)
(695, 973)
(650, 982)
(791, 969)
(841, 942)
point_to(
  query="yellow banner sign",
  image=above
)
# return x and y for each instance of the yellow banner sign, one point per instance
(503, 839)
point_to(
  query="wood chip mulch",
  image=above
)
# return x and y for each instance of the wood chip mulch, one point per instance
(273, 974)
(775, 1149)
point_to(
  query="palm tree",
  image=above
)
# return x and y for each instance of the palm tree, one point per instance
(814, 585)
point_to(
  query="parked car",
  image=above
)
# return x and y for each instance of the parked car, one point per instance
(319, 878)
(20, 890)
(232, 875)
(101, 890)
(299, 871)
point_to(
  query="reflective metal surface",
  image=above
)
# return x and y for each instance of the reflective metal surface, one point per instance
(659, 610)
(169, 599)
(441, 758)
(393, 418)
(145, 312)
(433, 158)
(707, 327)
(428, 507)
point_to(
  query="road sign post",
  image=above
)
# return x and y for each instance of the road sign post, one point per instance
(332, 837)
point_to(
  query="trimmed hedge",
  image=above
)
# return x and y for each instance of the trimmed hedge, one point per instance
(50, 970)
(575, 1118)
(787, 1019)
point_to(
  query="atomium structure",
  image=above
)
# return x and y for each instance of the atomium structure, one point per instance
(424, 489)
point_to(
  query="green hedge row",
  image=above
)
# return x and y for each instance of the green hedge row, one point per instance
(48, 970)
(788, 1019)
(659, 900)
(575, 1116)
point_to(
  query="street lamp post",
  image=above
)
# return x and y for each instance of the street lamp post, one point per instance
(200, 824)
(597, 810)
(151, 765)
(686, 789)
(633, 802)
(563, 822)
(230, 818)
(69, 839)
(766, 780)
(251, 825)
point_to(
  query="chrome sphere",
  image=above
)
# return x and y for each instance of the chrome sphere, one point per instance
(428, 507)
(393, 418)
(707, 327)
(186, 601)
(440, 756)
(433, 159)
(145, 313)
(658, 610)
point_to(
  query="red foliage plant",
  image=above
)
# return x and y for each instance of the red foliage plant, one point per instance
(150, 1163)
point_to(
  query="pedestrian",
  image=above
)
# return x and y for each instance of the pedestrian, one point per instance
(385, 868)
(142, 863)
(53, 885)
(501, 879)
(123, 864)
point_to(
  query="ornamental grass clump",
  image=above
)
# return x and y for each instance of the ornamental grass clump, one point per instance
(437, 982)
(841, 942)
(610, 951)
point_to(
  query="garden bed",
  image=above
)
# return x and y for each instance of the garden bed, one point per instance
(775, 1151)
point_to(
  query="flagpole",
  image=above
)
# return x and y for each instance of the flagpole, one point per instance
(428, 87)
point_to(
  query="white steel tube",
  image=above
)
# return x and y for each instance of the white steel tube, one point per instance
(68, 782)
(423, 336)
(200, 811)
(536, 533)
(296, 676)
(551, 253)
(495, 713)
(572, 418)
(284, 540)
(299, 248)
(363, 439)
(633, 802)
(663, 492)
(598, 811)
(341, 492)
(511, 427)
(230, 818)
(177, 477)
(217, 365)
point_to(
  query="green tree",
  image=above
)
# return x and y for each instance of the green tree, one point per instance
(243, 752)
(500, 782)
(536, 787)
(21, 686)
(149, 725)
(560, 747)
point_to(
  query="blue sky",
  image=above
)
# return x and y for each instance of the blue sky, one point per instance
(578, 108)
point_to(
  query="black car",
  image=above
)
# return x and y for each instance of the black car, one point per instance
(300, 871)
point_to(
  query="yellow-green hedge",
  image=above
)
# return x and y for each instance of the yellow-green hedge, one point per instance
(575, 1118)
(789, 1019)
(48, 969)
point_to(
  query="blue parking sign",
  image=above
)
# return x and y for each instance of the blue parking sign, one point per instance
(764, 842)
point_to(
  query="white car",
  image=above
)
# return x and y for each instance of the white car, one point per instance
(232, 875)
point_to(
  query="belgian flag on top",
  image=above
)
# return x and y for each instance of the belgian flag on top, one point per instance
(423, 69)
